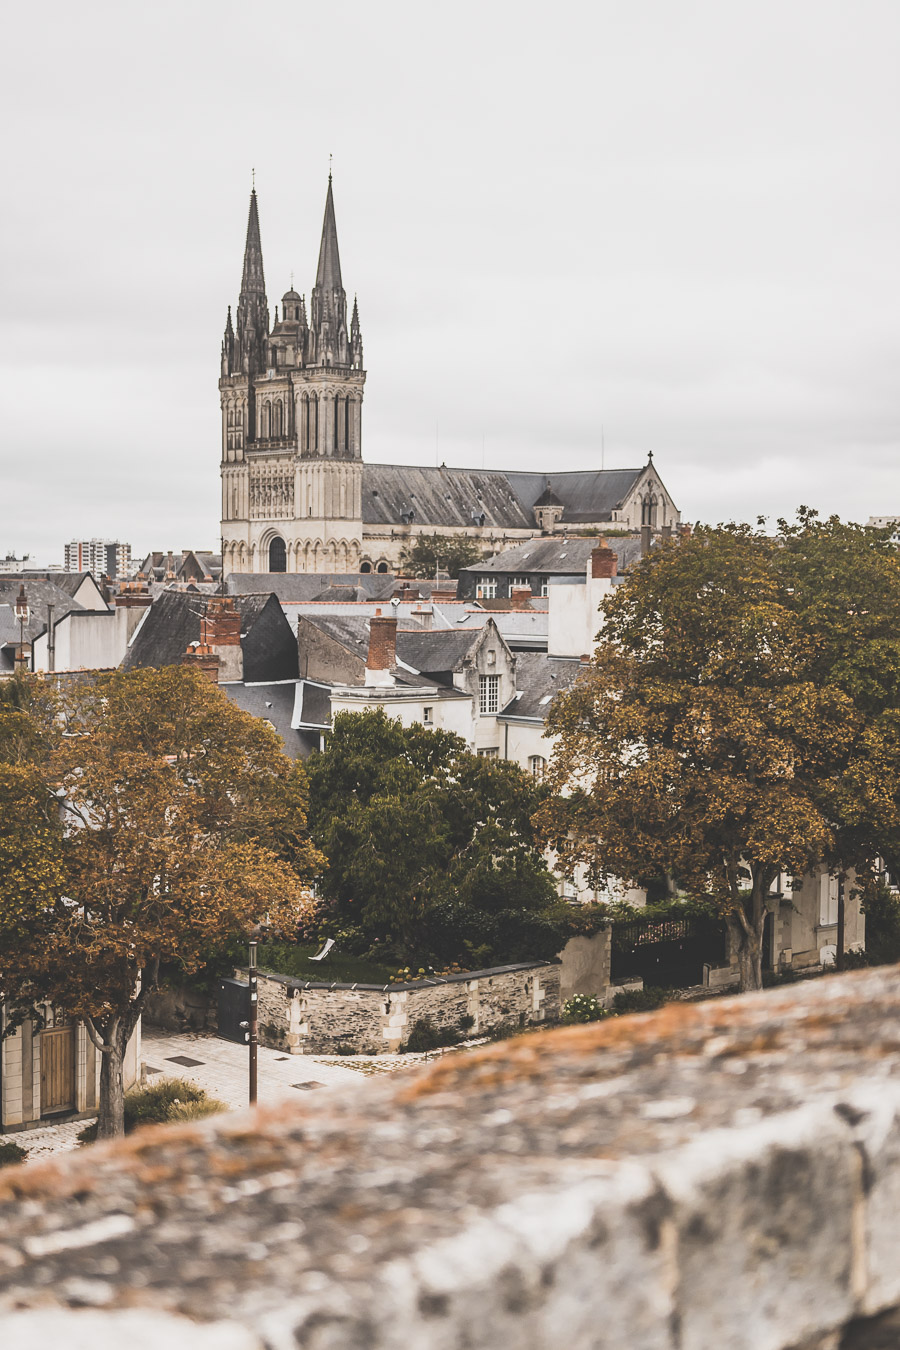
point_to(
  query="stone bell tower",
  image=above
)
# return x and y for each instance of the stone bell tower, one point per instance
(291, 399)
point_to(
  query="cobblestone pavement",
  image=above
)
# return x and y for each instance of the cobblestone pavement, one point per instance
(221, 1068)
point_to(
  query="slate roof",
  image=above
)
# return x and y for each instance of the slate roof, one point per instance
(70, 582)
(439, 497)
(587, 494)
(442, 497)
(172, 623)
(437, 651)
(309, 585)
(539, 678)
(556, 556)
(40, 594)
(274, 703)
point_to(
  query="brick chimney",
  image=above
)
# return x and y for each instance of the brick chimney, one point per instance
(220, 632)
(646, 536)
(382, 649)
(520, 597)
(604, 561)
(202, 657)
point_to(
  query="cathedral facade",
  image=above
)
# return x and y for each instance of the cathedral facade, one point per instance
(296, 495)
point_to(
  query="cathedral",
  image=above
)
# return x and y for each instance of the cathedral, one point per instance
(296, 494)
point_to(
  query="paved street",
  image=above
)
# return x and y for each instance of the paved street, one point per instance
(220, 1067)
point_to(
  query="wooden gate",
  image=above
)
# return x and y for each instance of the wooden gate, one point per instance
(57, 1070)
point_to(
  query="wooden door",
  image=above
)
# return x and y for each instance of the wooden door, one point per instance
(57, 1070)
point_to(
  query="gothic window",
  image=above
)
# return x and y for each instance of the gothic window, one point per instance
(277, 555)
(264, 422)
(277, 428)
(382, 567)
(365, 567)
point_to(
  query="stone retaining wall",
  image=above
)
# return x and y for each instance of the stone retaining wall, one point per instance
(312, 1018)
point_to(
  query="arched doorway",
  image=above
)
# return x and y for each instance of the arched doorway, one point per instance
(277, 555)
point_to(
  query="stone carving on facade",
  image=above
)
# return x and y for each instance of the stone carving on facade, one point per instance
(271, 494)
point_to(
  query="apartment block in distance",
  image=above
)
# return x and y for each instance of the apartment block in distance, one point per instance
(103, 557)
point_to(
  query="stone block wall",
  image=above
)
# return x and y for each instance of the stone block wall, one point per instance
(718, 1176)
(306, 1018)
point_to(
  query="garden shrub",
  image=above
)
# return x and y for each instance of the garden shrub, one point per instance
(163, 1103)
(11, 1153)
(639, 1000)
(583, 1008)
(426, 1036)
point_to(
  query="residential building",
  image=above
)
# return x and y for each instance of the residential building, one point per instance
(102, 557)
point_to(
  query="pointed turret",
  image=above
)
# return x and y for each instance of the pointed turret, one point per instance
(356, 351)
(328, 320)
(228, 346)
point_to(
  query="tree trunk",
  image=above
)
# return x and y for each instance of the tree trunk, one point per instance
(749, 961)
(111, 1121)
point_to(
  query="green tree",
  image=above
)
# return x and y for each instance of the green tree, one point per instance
(440, 552)
(720, 733)
(170, 822)
(431, 849)
(843, 581)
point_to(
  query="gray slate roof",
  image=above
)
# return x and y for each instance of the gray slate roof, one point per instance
(443, 497)
(442, 649)
(556, 556)
(40, 594)
(173, 622)
(310, 585)
(274, 703)
(540, 677)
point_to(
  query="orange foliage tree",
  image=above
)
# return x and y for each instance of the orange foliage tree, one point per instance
(155, 821)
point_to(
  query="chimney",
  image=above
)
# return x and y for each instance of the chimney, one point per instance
(666, 532)
(382, 649)
(520, 597)
(220, 633)
(202, 657)
(685, 530)
(604, 561)
(646, 535)
(425, 614)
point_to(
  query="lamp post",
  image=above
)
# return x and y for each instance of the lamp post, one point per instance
(23, 614)
(254, 1019)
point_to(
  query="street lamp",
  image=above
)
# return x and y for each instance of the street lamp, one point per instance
(254, 1019)
(23, 614)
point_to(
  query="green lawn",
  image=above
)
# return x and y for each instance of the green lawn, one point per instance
(288, 958)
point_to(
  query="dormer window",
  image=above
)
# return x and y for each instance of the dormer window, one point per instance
(486, 588)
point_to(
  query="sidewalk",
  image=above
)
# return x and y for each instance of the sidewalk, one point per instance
(221, 1068)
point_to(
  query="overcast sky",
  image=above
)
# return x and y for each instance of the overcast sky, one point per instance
(669, 225)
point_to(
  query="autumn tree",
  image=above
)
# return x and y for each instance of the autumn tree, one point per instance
(723, 732)
(448, 553)
(176, 822)
(431, 849)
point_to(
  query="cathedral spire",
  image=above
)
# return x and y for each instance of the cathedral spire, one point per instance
(253, 279)
(328, 274)
(328, 324)
(252, 326)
